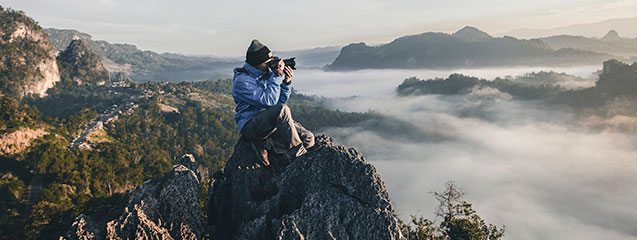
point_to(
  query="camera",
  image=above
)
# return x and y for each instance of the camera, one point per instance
(288, 62)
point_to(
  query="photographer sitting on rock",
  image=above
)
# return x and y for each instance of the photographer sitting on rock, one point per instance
(260, 89)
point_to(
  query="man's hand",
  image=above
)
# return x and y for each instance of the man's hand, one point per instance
(286, 71)
(288, 75)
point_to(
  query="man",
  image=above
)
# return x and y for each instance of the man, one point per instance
(261, 113)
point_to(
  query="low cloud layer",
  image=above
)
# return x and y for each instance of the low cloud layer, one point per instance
(382, 82)
(544, 173)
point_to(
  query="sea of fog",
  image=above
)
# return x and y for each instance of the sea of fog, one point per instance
(541, 171)
(382, 82)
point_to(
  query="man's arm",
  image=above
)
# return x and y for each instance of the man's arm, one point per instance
(285, 85)
(247, 90)
(285, 93)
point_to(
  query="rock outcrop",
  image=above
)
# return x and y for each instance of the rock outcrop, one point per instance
(80, 65)
(165, 208)
(17, 141)
(27, 60)
(328, 193)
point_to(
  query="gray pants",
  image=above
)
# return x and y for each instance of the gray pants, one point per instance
(282, 133)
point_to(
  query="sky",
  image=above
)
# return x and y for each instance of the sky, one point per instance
(225, 28)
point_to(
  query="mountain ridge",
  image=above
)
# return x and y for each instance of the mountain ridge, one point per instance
(593, 29)
(611, 43)
(468, 47)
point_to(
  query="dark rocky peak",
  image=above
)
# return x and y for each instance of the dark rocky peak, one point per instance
(79, 64)
(328, 193)
(472, 34)
(612, 35)
(164, 208)
(77, 50)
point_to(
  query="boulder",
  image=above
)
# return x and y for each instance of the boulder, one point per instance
(328, 193)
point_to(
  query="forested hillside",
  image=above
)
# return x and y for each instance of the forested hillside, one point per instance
(617, 83)
(27, 60)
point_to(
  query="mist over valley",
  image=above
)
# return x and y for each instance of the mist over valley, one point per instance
(538, 133)
(514, 158)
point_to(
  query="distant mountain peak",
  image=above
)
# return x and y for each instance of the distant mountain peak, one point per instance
(77, 48)
(611, 36)
(78, 63)
(469, 33)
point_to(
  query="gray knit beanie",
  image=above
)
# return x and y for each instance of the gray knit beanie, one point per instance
(257, 53)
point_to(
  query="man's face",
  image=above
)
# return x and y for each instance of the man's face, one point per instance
(264, 66)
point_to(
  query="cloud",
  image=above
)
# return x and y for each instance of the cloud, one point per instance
(382, 82)
(540, 171)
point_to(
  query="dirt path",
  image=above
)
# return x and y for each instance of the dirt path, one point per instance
(33, 193)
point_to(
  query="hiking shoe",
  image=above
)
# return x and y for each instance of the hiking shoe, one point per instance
(297, 151)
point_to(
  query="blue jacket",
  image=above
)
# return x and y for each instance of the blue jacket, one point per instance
(254, 90)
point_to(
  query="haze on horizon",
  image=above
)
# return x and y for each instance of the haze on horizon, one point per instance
(225, 28)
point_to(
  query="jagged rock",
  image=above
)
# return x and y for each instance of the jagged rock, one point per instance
(165, 208)
(328, 193)
(79, 64)
(188, 160)
(83, 228)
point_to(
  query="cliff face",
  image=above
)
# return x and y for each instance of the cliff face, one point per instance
(80, 65)
(27, 60)
(165, 208)
(329, 193)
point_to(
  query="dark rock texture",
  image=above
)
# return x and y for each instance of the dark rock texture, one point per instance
(328, 193)
(165, 208)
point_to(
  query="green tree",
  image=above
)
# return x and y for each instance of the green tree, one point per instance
(459, 220)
